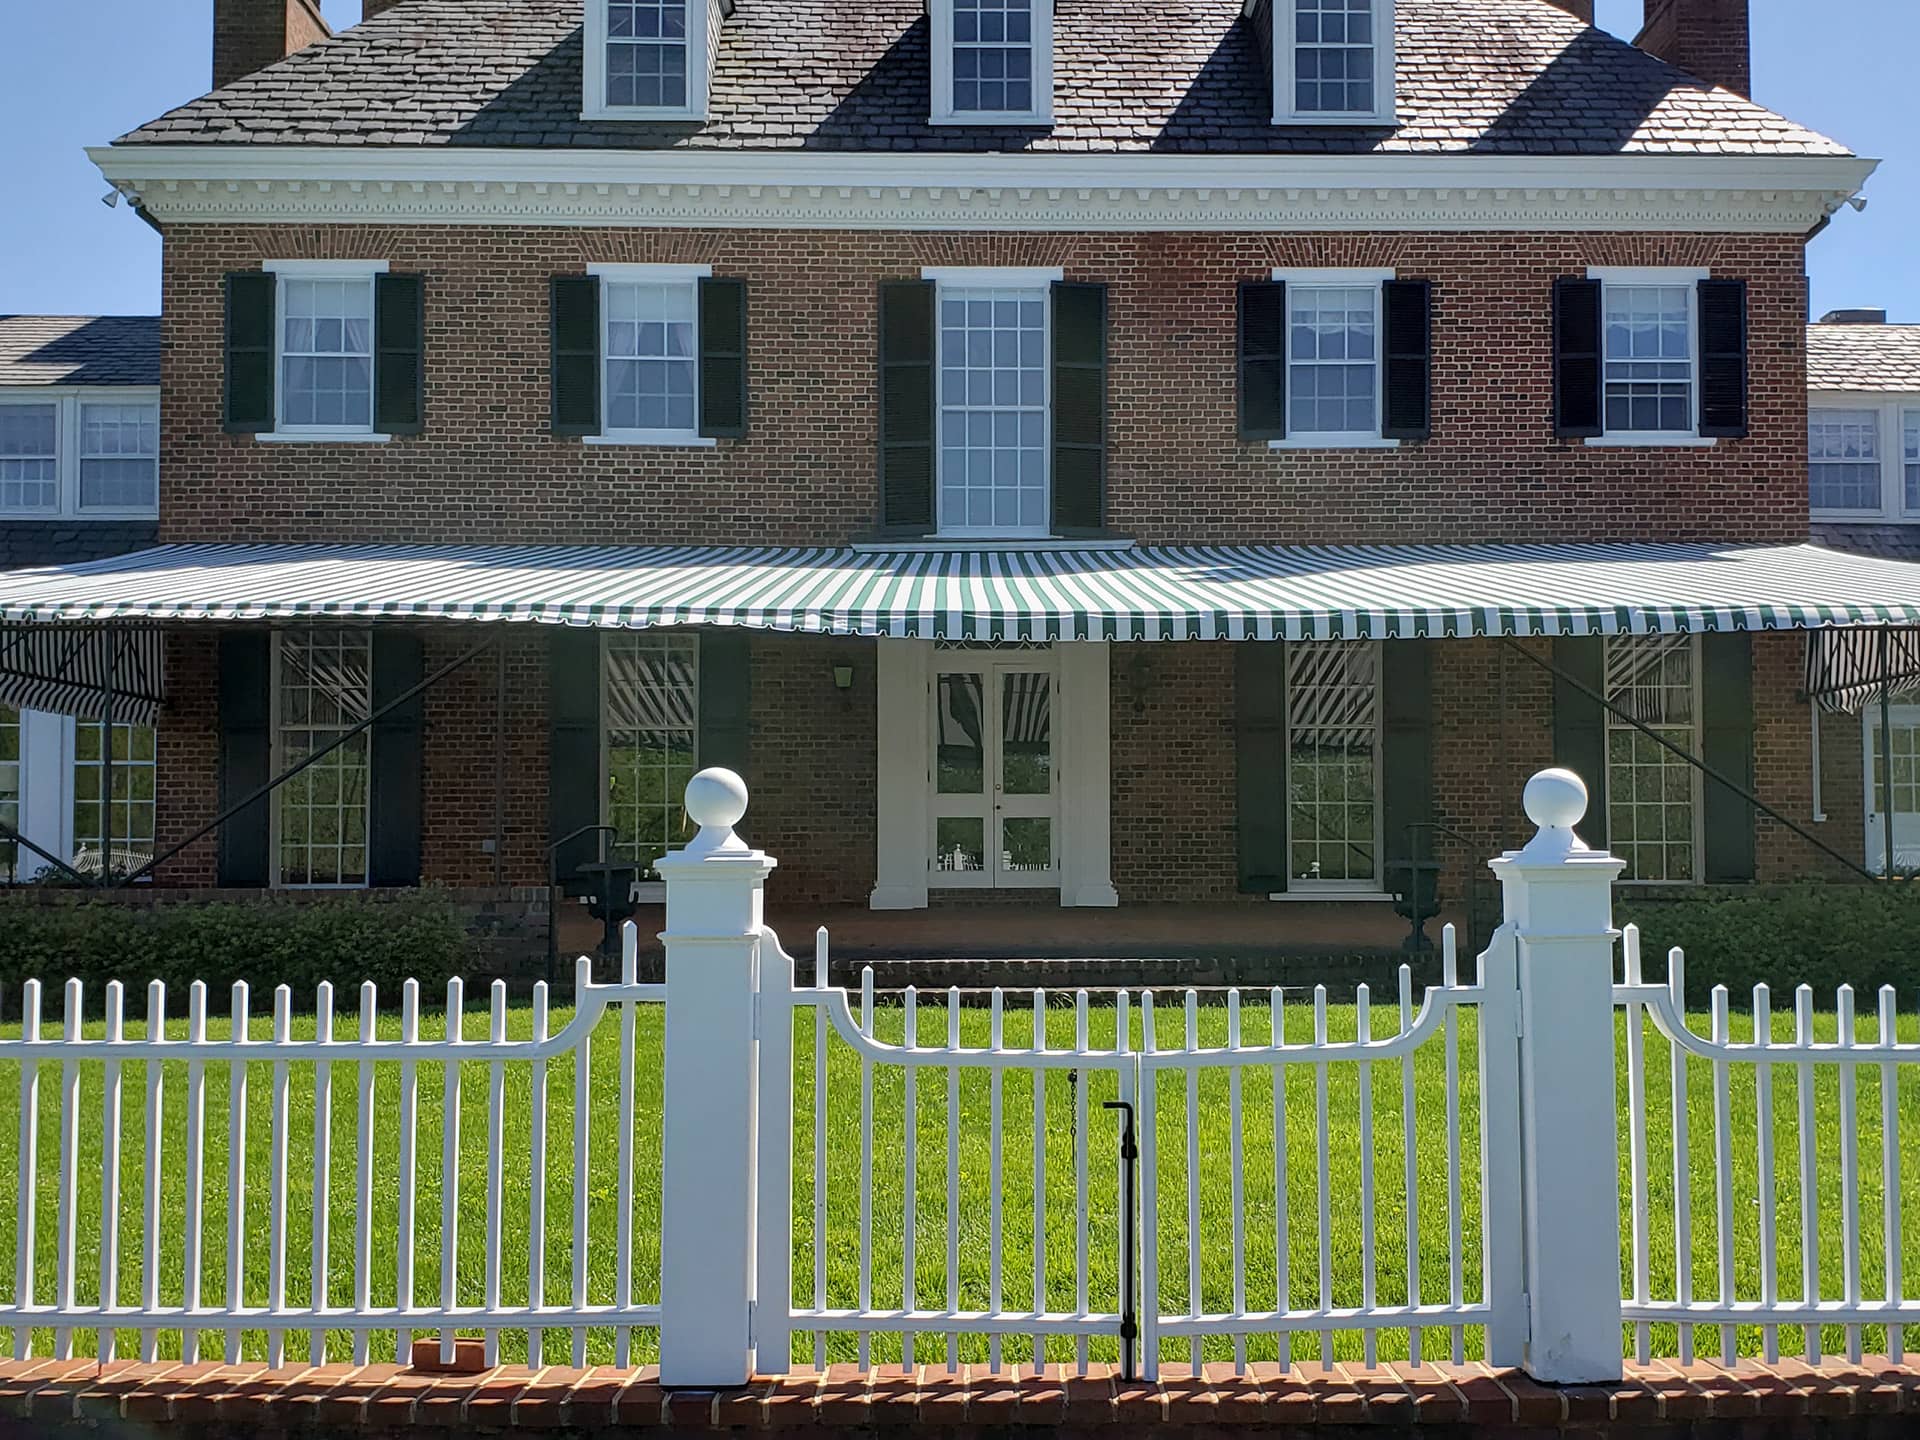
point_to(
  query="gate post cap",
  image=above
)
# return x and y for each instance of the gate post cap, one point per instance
(1555, 799)
(716, 799)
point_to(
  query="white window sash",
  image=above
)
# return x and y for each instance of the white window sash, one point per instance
(1041, 280)
(642, 889)
(1286, 110)
(60, 450)
(278, 749)
(285, 270)
(68, 401)
(84, 455)
(698, 51)
(1895, 412)
(621, 274)
(1696, 799)
(1376, 885)
(1673, 277)
(943, 47)
(1353, 279)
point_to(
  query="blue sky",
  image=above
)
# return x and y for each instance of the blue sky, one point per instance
(78, 74)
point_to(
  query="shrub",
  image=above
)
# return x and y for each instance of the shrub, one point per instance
(265, 943)
(1813, 933)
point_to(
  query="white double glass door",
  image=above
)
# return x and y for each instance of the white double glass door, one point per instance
(994, 812)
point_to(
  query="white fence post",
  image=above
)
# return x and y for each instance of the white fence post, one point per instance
(1559, 908)
(707, 1240)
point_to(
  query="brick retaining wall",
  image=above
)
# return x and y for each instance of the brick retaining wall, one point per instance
(1750, 1401)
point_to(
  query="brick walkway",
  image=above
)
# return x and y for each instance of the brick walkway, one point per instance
(1750, 1400)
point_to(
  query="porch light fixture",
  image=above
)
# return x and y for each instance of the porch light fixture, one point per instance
(843, 682)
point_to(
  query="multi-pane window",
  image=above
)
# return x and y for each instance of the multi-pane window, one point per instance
(647, 54)
(650, 731)
(119, 457)
(993, 409)
(326, 353)
(11, 792)
(1910, 458)
(1843, 459)
(651, 350)
(130, 807)
(324, 686)
(1653, 796)
(1333, 368)
(1333, 763)
(1649, 358)
(29, 457)
(1333, 56)
(993, 56)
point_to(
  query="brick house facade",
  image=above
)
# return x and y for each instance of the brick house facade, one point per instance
(1575, 171)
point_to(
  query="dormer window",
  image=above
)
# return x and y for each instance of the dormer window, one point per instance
(1332, 62)
(992, 62)
(647, 59)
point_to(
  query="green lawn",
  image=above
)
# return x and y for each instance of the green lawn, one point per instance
(975, 1211)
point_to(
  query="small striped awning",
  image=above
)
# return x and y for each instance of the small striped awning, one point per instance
(1849, 669)
(72, 669)
(1039, 594)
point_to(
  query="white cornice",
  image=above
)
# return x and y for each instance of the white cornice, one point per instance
(1055, 192)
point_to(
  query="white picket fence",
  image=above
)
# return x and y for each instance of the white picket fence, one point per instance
(183, 1292)
(748, 1170)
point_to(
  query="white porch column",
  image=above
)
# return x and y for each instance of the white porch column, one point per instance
(707, 1238)
(1559, 909)
(1083, 751)
(904, 669)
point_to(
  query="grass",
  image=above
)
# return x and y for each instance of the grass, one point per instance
(976, 1221)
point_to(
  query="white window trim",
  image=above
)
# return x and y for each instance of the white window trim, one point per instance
(625, 274)
(1893, 409)
(1029, 277)
(276, 749)
(1376, 888)
(941, 63)
(1375, 276)
(642, 892)
(1609, 722)
(67, 402)
(594, 104)
(284, 270)
(1285, 112)
(1690, 276)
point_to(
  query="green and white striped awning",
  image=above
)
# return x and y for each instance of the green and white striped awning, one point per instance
(1148, 593)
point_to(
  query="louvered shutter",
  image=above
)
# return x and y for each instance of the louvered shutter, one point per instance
(399, 370)
(395, 788)
(249, 406)
(1407, 306)
(1723, 358)
(1263, 360)
(1726, 745)
(1576, 358)
(1260, 764)
(246, 755)
(723, 358)
(906, 406)
(726, 692)
(573, 744)
(576, 354)
(1406, 758)
(1079, 408)
(1580, 724)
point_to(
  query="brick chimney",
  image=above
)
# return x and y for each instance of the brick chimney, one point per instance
(249, 35)
(1581, 10)
(1706, 38)
(371, 8)
(1861, 316)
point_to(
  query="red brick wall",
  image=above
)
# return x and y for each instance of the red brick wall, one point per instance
(1492, 731)
(249, 35)
(465, 767)
(1174, 831)
(1708, 38)
(486, 470)
(187, 757)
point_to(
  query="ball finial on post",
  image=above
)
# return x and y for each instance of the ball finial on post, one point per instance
(716, 802)
(1556, 801)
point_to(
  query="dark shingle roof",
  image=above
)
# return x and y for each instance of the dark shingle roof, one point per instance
(79, 349)
(1863, 357)
(1497, 76)
(71, 542)
(1889, 542)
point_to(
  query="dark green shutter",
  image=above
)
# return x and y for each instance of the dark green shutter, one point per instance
(1079, 408)
(576, 354)
(1260, 764)
(1580, 724)
(723, 359)
(1723, 358)
(1726, 745)
(1407, 411)
(1576, 358)
(573, 744)
(249, 379)
(906, 406)
(1263, 360)
(1406, 756)
(399, 368)
(726, 692)
(395, 784)
(246, 755)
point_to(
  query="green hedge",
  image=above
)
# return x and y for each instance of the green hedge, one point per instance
(265, 943)
(1819, 934)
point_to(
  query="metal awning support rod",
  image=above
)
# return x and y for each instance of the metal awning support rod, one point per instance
(1695, 761)
(7, 832)
(325, 750)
